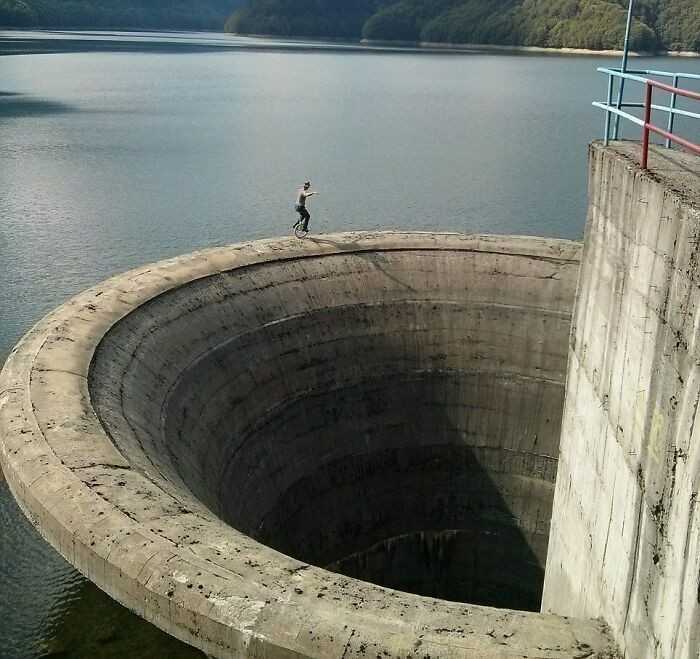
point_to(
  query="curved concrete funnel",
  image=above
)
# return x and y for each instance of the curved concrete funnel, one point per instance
(206, 437)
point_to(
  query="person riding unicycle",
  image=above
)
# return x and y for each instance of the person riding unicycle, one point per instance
(300, 206)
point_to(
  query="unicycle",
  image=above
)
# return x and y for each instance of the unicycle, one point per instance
(298, 227)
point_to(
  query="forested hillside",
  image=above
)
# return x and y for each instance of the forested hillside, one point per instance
(595, 24)
(139, 14)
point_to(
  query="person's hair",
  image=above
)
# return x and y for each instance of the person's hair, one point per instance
(307, 184)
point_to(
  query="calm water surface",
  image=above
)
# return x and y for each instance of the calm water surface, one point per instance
(118, 148)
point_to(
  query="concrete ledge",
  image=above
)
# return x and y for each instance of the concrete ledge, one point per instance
(627, 546)
(152, 546)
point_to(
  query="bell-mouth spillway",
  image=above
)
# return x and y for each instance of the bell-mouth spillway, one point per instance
(236, 442)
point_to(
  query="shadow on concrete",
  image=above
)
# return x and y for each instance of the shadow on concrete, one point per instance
(349, 245)
(377, 259)
(429, 519)
(400, 493)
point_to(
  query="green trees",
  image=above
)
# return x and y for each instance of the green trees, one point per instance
(16, 13)
(680, 24)
(191, 14)
(405, 20)
(473, 21)
(594, 24)
(310, 18)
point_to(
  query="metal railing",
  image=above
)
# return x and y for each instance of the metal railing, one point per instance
(616, 108)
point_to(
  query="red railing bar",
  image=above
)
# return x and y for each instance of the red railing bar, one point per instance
(691, 146)
(648, 126)
(647, 123)
(674, 90)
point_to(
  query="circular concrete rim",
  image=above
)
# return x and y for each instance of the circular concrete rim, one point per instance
(221, 591)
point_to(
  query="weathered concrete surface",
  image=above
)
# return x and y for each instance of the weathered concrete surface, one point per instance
(2, 475)
(290, 389)
(237, 384)
(625, 541)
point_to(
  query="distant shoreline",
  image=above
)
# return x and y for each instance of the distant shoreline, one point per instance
(533, 49)
(473, 47)
(426, 46)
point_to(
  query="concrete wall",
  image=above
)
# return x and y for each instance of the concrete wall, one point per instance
(625, 540)
(134, 508)
(405, 403)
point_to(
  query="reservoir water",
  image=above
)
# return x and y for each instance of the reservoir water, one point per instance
(117, 149)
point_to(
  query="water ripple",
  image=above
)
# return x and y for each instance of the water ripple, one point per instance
(34, 577)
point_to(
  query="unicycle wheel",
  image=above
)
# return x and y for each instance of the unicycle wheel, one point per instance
(299, 232)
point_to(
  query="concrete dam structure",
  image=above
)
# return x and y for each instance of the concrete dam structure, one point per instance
(382, 405)
(625, 541)
(349, 446)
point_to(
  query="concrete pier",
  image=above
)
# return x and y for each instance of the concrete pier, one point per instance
(204, 436)
(625, 540)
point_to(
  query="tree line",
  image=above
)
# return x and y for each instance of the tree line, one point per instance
(594, 24)
(139, 14)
